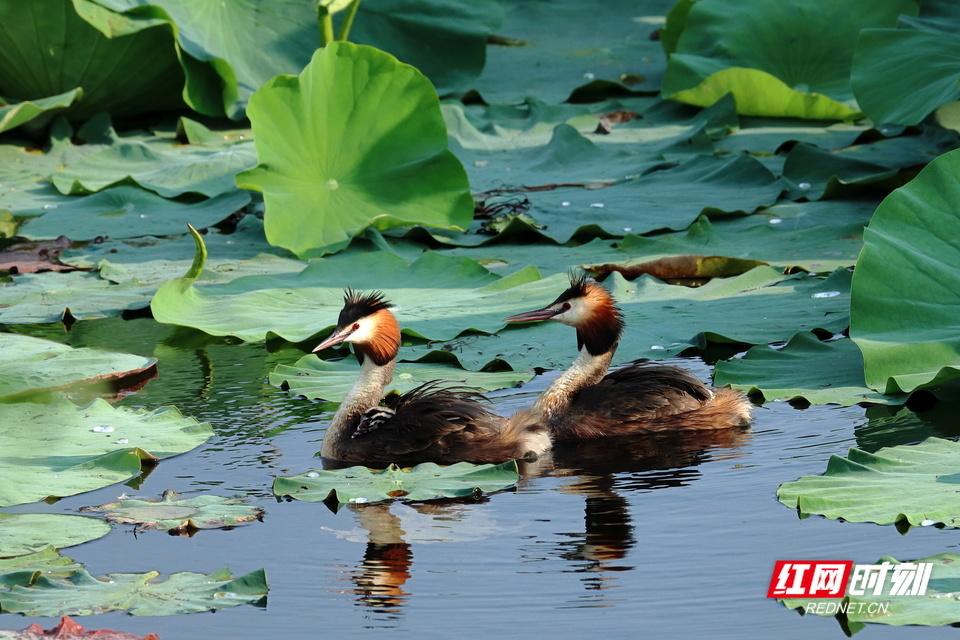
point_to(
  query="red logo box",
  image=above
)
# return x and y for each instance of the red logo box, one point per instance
(810, 579)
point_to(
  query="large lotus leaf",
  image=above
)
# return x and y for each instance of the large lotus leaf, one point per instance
(45, 297)
(33, 364)
(820, 372)
(59, 449)
(826, 172)
(160, 165)
(549, 49)
(153, 261)
(26, 533)
(18, 113)
(667, 199)
(937, 607)
(911, 261)
(136, 593)
(911, 483)
(730, 46)
(129, 212)
(25, 170)
(417, 31)
(817, 236)
(901, 75)
(426, 481)
(55, 50)
(572, 154)
(25, 569)
(662, 320)
(439, 297)
(316, 378)
(768, 135)
(175, 513)
(232, 47)
(356, 140)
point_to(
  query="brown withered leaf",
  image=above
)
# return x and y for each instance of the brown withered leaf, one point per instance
(67, 629)
(689, 269)
(33, 257)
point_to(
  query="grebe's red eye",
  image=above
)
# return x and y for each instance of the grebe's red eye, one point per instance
(565, 307)
(356, 326)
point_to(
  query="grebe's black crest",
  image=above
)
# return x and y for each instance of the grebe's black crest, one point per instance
(360, 305)
(578, 288)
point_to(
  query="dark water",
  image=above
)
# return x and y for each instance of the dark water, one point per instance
(652, 538)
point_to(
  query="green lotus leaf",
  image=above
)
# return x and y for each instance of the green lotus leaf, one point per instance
(439, 297)
(729, 46)
(901, 75)
(316, 378)
(427, 481)
(25, 170)
(820, 372)
(24, 569)
(915, 484)
(139, 594)
(662, 320)
(329, 168)
(937, 607)
(164, 166)
(60, 449)
(669, 199)
(911, 261)
(132, 70)
(535, 54)
(16, 114)
(31, 365)
(175, 513)
(47, 297)
(129, 212)
(29, 533)
(415, 30)
(153, 261)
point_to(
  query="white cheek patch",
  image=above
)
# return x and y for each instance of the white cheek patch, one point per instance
(364, 333)
(578, 313)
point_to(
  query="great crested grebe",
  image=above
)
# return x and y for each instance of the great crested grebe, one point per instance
(587, 402)
(429, 423)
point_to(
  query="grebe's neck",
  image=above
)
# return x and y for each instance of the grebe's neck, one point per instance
(586, 370)
(364, 394)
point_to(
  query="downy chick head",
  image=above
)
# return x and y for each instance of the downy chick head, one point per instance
(367, 322)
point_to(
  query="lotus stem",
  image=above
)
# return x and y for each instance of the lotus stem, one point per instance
(325, 22)
(348, 16)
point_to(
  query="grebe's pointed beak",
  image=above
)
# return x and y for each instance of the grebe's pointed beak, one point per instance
(533, 316)
(334, 338)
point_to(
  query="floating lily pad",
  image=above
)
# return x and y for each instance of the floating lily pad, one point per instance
(60, 449)
(426, 481)
(316, 378)
(30, 365)
(25, 569)
(46, 297)
(328, 169)
(904, 484)
(128, 212)
(28, 533)
(174, 513)
(156, 164)
(937, 607)
(136, 593)
(439, 297)
(911, 261)
(820, 372)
